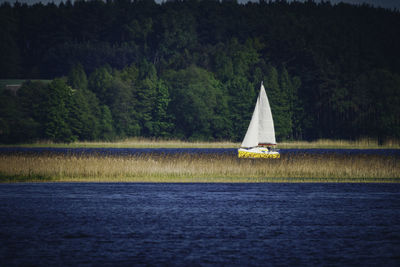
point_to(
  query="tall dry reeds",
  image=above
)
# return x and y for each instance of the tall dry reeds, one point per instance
(199, 168)
(364, 143)
(136, 142)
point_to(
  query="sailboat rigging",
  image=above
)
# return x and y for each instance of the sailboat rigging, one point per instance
(260, 136)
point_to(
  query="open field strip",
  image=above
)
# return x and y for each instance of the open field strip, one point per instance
(198, 168)
(160, 143)
(342, 144)
(132, 143)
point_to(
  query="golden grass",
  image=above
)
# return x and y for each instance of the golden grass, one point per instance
(365, 143)
(136, 142)
(199, 168)
(171, 143)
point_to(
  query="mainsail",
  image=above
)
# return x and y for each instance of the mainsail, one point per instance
(261, 128)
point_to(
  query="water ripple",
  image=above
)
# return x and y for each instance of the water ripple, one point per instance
(199, 224)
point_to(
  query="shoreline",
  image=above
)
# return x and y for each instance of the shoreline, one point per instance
(160, 143)
(202, 180)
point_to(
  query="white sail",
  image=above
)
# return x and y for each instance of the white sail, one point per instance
(261, 128)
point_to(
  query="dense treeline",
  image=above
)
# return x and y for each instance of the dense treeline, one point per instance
(192, 69)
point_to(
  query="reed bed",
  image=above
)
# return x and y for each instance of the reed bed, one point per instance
(199, 168)
(135, 142)
(365, 143)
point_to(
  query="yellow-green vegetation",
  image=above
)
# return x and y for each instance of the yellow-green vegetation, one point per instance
(135, 143)
(171, 143)
(366, 143)
(199, 168)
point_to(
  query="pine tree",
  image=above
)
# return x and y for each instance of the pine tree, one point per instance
(106, 131)
(162, 125)
(57, 113)
(77, 78)
(279, 103)
(100, 82)
(241, 105)
(125, 117)
(287, 102)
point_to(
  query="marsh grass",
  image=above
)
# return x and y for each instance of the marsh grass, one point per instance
(365, 143)
(137, 142)
(134, 143)
(199, 168)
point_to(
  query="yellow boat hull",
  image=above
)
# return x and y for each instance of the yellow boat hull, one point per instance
(251, 155)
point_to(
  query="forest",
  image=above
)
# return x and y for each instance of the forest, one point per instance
(192, 69)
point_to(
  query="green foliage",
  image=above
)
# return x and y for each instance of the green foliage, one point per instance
(277, 89)
(100, 82)
(58, 99)
(80, 119)
(162, 125)
(10, 55)
(125, 118)
(10, 114)
(145, 96)
(106, 127)
(241, 105)
(377, 104)
(77, 78)
(197, 102)
(192, 69)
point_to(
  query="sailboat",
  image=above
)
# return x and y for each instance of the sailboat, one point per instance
(260, 136)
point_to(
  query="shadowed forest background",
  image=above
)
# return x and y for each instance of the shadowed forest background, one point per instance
(192, 70)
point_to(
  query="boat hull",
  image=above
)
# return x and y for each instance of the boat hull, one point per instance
(258, 153)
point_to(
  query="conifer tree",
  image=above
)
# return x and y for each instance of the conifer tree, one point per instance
(279, 103)
(77, 78)
(162, 121)
(241, 105)
(100, 82)
(106, 131)
(57, 114)
(145, 96)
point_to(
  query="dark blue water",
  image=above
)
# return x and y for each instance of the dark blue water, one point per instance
(168, 151)
(200, 224)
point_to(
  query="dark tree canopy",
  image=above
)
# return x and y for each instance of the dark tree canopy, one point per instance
(192, 69)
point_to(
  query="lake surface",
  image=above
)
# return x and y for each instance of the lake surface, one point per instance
(168, 151)
(199, 224)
